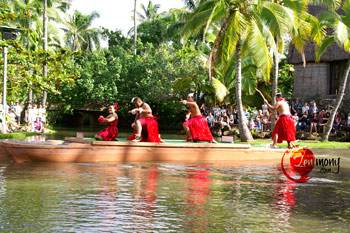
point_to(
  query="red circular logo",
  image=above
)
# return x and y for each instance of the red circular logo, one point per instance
(299, 165)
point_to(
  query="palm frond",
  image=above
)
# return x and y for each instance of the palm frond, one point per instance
(330, 4)
(323, 46)
(220, 89)
(198, 19)
(255, 46)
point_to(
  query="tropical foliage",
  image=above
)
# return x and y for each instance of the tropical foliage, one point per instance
(339, 25)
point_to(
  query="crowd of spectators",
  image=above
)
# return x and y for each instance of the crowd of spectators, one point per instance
(34, 117)
(308, 116)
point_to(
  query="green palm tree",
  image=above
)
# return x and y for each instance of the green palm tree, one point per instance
(150, 12)
(29, 12)
(339, 23)
(6, 13)
(295, 24)
(242, 32)
(191, 4)
(62, 5)
(79, 33)
(300, 27)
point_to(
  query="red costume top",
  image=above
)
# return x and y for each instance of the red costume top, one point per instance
(285, 129)
(199, 129)
(110, 133)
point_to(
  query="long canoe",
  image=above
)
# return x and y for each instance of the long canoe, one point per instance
(77, 150)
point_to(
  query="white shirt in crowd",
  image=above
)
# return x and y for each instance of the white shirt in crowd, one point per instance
(42, 114)
(264, 108)
(305, 109)
(18, 110)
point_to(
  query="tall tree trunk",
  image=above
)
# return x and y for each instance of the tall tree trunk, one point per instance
(244, 131)
(274, 86)
(341, 93)
(135, 27)
(45, 26)
(30, 96)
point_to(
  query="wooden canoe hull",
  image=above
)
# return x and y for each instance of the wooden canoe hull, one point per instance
(95, 152)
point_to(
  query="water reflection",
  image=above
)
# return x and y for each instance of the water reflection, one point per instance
(159, 197)
(198, 190)
(285, 201)
(36, 138)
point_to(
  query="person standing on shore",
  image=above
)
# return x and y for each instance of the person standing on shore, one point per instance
(285, 126)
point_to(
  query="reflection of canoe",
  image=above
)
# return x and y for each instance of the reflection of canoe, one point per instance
(98, 151)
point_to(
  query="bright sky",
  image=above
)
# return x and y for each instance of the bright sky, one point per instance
(117, 14)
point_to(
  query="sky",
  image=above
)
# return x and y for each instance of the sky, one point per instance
(117, 14)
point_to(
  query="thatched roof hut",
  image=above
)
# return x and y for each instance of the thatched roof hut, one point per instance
(319, 80)
(333, 53)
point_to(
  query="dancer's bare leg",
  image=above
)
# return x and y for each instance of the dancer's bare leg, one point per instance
(138, 130)
(274, 141)
(291, 145)
(188, 133)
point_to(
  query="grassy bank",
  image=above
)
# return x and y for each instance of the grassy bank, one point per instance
(17, 135)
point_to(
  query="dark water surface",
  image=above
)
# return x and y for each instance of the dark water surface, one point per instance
(162, 197)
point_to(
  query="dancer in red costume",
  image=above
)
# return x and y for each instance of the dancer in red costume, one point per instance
(110, 133)
(285, 128)
(145, 125)
(196, 126)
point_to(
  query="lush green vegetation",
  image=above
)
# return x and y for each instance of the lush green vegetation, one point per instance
(222, 49)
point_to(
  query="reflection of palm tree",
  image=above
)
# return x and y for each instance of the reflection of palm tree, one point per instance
(150, 12)
(79, 33)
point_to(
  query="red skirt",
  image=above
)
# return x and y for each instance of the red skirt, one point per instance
(150, 131)
(110, 133)
(199, 129)
(285, 129)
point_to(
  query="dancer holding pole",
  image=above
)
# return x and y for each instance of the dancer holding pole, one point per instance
(285, 128)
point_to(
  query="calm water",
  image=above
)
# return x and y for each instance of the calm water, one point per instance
(161, 197)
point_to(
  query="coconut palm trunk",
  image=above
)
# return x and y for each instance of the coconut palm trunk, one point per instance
(135, 28)
(30, 96)
(274, 86)
(244, 131)
(45, 26)
(340, 96)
